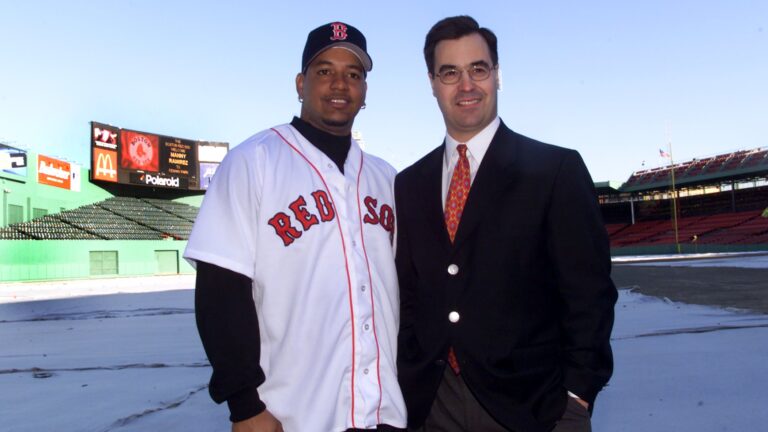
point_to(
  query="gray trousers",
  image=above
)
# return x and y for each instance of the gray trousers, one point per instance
(455, 409)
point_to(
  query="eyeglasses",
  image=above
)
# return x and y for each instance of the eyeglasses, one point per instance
(477, 72)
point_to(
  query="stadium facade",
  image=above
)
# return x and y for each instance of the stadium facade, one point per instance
(712, 204)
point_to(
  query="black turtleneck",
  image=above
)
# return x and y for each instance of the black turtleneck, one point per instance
(334, 146)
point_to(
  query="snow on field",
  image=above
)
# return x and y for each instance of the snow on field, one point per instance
(119, 355)
(741, 260)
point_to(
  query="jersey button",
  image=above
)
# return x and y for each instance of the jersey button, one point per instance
(365, 371)
(453, 269)
(366, 327)
(362, 288)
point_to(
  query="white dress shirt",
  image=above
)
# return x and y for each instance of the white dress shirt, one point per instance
(476, 148)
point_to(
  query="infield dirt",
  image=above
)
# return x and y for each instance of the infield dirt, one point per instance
(744, 288)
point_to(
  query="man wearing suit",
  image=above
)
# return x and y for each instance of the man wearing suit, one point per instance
(503, 263)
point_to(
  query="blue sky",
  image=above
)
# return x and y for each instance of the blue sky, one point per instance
(614, 80)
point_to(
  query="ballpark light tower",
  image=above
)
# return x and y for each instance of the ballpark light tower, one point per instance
(358, 136)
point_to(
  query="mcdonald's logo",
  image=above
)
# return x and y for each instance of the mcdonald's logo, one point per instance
(104, 165)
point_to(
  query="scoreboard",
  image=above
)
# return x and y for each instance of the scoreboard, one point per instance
(145, 159)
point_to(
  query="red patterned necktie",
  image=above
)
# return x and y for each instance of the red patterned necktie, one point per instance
(457, 192)
(454, 206)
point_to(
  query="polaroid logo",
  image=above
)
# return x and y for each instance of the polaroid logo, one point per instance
(53, 171)
(149, 179)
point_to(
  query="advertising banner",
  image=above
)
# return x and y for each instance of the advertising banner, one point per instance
(211, 152)
(207, 170)
(13, 160)
(74, 177)
(148, 179)
(53, 172)
(104, 165)
(104, 136)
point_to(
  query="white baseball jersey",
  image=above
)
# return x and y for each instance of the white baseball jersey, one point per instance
(318, 246)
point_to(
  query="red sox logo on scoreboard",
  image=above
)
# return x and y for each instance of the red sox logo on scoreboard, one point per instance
(288, 233)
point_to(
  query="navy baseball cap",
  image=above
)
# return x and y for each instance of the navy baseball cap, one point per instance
(335, 34)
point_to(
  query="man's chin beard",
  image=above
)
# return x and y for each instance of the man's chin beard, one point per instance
(337, 123)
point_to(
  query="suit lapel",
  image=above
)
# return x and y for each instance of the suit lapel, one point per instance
(496, 171)
(431, 190)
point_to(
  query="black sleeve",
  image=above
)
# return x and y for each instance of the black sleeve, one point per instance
(406, 274)
(229, 328)
(578, 244)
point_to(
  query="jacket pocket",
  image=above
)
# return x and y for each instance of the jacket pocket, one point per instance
(526, 359)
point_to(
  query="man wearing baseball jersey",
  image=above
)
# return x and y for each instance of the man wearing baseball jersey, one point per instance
(296, 298)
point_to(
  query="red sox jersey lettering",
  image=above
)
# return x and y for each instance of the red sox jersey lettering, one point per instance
(385, 217)
(299, 209)
(283, 223)
(323, 205)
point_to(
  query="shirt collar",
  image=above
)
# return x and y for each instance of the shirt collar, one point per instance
(476, 146)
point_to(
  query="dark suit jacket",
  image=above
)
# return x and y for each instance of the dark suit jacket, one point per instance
(533, 288)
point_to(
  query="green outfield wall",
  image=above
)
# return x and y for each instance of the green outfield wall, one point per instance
(28, 260)
(196, 200)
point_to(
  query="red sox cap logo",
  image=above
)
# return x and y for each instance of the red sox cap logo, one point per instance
(339, 31)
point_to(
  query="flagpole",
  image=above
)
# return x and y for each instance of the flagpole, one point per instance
(674, 196)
